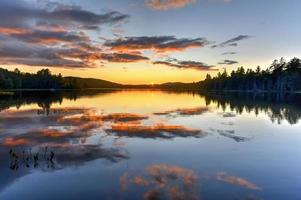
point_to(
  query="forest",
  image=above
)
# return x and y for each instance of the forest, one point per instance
(281, 76)
(43, 79)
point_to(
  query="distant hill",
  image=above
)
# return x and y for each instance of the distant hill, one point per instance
(91, 83)
(44, 79)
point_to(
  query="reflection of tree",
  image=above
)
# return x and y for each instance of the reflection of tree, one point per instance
(45, 99)
(279, 107)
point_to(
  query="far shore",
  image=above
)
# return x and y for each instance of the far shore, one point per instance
(7, 92)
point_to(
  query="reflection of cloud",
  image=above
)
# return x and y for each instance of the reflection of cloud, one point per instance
(65, 131)
(165, 182)
(228, 114)
(168, 4)
(91, 116)
(140, 180)
(151, 195)
(153, 131)
(161, 171)
(79, 154)
(234, 137)
(185, 111)
(125, 117)
(251, 198)
(12, 142)
(234, 180)
(230, 134)
(123, 181)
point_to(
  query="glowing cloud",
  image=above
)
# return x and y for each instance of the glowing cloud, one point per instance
(168, 4)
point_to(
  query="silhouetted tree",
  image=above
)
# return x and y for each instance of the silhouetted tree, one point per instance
(279, 77)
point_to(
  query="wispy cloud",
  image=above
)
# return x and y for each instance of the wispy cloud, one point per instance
(122, 57)
(155, 43)
(200, 66)
(229, 53)
(232, 41)
(228, 62)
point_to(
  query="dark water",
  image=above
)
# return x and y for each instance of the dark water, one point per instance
(149, 145)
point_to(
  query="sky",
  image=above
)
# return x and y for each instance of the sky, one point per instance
(147, 41)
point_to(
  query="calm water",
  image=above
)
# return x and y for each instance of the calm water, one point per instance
(149, 145)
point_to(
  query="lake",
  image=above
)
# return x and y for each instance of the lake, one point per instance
(131, 144)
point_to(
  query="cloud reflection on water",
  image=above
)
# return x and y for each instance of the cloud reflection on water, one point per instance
(164, 181)
(67, 130)
(235, 180)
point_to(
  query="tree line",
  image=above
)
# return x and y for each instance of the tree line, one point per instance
(281, 76)
(43, 79)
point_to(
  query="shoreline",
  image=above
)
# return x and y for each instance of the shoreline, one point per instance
(6, 92)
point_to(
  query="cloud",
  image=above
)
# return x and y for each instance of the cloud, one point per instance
(228, 62)
(52, 34)
(18, 52)
(234, 180)
(155, 43)
(22, 13)
(122, 57)
(168, 4)
(230, 53)
(200, 66)
(232, 41)
(48, 37)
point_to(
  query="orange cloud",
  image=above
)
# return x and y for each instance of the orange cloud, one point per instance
(168, 4)
(234, 180)
(13, 30)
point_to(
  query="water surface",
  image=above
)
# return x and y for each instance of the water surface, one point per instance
(149, 145)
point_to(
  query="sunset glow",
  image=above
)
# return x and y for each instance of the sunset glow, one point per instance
(129, 43)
